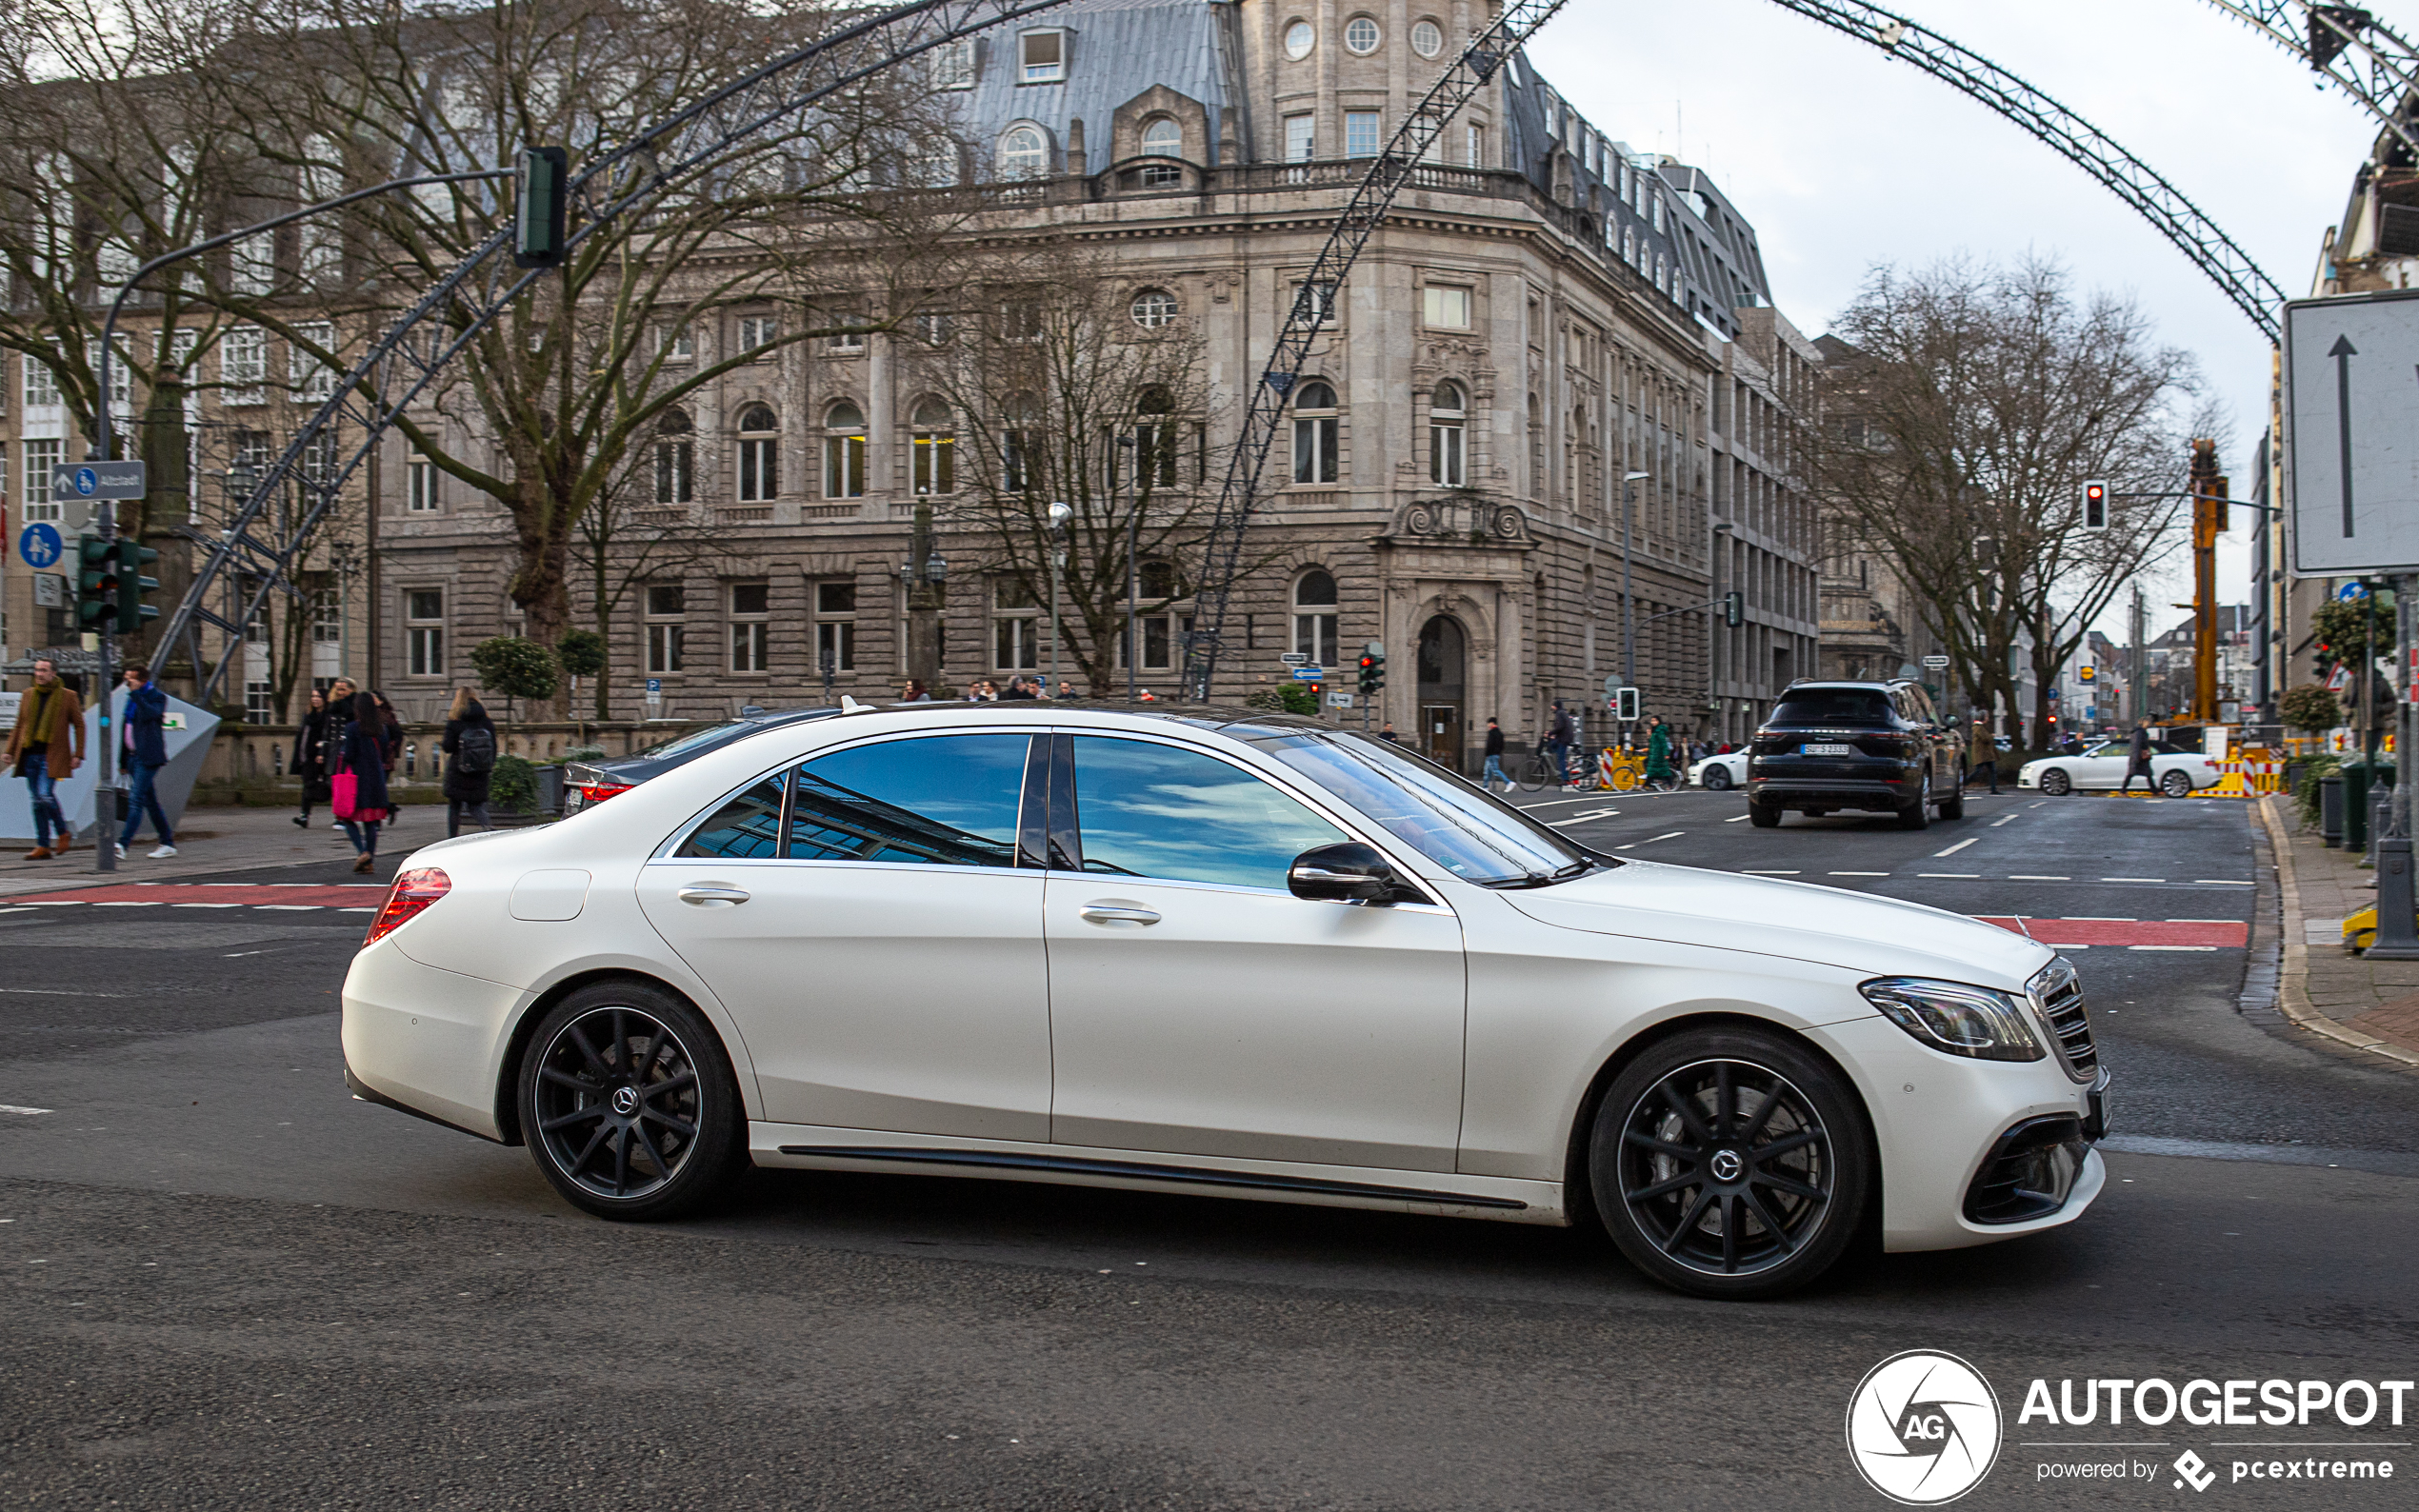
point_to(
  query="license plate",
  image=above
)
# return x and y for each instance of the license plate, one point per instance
(1826, 751)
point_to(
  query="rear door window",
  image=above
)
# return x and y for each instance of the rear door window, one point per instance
(935, 799)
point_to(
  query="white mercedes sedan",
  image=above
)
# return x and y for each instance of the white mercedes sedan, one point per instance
(2175, 770)
(1219, 952)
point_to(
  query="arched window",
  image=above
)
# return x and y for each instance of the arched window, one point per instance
(844, 451)
(675, 459)
(1163, 137)
(1314, 433)
(1023, 152)
(759, 454)
(1314, 616)
(1446, 415)
(1154, 308)
(1158, 580)
(932, 449)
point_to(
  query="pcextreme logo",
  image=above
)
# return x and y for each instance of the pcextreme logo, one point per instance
(1923, 1428)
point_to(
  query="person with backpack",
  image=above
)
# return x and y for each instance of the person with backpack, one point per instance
(469, 748)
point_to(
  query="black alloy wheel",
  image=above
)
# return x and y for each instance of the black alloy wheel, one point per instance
(1717, 779)
(629, 1104)
(2176, 785)
(1730, 1162)
(1917, 815)
(2056, 782)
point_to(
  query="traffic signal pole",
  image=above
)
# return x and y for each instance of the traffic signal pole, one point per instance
(2208, 523)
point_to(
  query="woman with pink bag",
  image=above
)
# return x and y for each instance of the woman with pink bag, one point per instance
(359, 780)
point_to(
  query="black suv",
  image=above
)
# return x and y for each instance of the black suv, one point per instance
(1879, 747)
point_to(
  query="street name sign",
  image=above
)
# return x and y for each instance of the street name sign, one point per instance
(2352, 432)
(1294, 658)
(106, 481)
(1936, 662)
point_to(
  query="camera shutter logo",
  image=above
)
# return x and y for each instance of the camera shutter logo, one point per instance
(1923, 1428)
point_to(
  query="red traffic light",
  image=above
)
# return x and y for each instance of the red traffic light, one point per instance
(1368, 662)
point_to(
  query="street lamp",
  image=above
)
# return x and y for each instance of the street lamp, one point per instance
(1059, 515)
(1714, 625)
(1628, 607)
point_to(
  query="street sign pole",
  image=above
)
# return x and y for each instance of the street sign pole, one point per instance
(2397, 899)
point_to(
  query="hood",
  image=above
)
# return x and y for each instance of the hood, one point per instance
(1796, 920)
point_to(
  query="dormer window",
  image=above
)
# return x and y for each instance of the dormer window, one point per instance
(1163, 137)
(1043, 56)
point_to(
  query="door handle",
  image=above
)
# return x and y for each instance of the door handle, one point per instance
(1116, 913)
(712, 894)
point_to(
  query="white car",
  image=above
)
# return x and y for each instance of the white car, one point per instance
(1219, 952)
(1720, 773)
(2174, 770)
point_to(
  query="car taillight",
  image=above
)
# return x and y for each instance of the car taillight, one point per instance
(413, 890)
(598, 792)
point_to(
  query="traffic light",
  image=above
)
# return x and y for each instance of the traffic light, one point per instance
(1734, 608)
(2095, 506)
(95, 585)
(2322, 662)
(540, 210)
(1373, 668)
(133, 557)
(1625, 704)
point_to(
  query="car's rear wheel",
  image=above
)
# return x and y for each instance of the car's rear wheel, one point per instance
(2056, 782)
(1917, 815)
(1762, 816)
(1954, 807)
(2176, 785)
(1730, 1162)
(1717, 779)
(629, 1104)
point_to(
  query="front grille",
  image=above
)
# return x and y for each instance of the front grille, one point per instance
(2058, 993)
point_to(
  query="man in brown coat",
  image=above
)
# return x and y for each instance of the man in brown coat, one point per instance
(46, 744)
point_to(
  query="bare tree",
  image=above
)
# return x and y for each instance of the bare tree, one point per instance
(648, 526)
(1073, 385)
(804, 222)
(1958, 441)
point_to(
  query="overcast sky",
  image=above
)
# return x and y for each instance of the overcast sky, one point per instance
(1843, 157)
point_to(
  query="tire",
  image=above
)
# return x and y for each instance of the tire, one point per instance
(1762, 816)
(1717, 780)
(2176, 785)
(1730, 1162)
(1917, 815)
(2056, 782)
(610, 1147)
(1954, 807)
(1530, 775)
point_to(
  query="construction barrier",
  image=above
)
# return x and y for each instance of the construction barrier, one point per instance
(2247, 775)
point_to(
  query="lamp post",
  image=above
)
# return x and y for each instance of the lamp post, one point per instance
(344, 557)
(1059, 515)
(921, 575)
(1713, 627)
(1629, 606)
(1134, 569)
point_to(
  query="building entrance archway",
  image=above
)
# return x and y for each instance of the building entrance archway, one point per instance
(1441, 672)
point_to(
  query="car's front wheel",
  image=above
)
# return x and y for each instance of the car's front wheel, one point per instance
(2056, 782)
(2176, 785)
(1730, 1162)
(1717, 779)
(629, 1104)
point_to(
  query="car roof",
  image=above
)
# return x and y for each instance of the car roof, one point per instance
(1197, 716)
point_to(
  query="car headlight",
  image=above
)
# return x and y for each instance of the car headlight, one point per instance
(1958, 1018)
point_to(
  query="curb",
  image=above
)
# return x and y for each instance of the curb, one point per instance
(2293, 996)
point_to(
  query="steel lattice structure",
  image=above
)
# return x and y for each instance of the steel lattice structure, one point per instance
(407, 358)
(2365, 59)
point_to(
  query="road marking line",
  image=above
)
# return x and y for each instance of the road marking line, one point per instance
(287, 908)
(1625, 848)
(9, 1107)
(2042, 804)
(1733, 821)
(122, 903)
(57, 992)
(2008, 820)
(1581, 818)
(1958, 846)
(1860, 873)
(2110, 918)
(1758, 871)
(356, 910)
(2220, 882)
(2171, 948)
(2024, 876)
(1552, 803)
(2338, 924)
(205, 904)
(56, 903)
(2133, 878)
(1652, 839)
(1969, 876)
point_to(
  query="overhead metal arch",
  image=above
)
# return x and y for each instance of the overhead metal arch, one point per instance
(2363, 56)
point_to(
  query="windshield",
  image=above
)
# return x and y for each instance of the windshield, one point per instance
(1469, 833)
(696, 737)
(1849, 707)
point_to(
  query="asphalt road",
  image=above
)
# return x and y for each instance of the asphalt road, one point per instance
(231, 1287)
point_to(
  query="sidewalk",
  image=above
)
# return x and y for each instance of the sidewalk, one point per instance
(216, 839)
(2369, 1005)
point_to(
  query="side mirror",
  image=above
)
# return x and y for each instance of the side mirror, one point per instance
(1349, 872)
